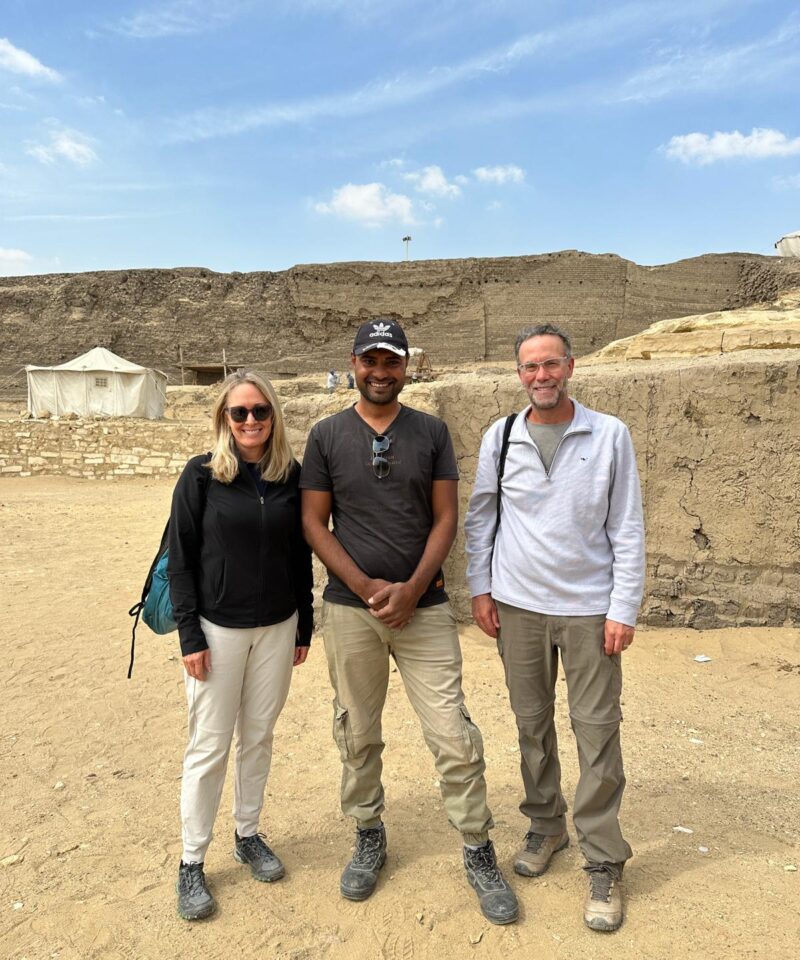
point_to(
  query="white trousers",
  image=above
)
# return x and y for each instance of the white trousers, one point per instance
(251, 669)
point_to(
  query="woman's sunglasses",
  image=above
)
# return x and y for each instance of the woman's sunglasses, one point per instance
(261, 412)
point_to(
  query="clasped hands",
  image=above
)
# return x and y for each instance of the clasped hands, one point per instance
(392, 603)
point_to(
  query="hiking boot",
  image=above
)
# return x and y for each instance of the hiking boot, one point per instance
(195, 901)
(534, 857)
(602, 909)
(497, 900)
(264, 865)
(360, 876)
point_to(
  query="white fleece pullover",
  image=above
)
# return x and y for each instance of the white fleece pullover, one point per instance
(571, 542)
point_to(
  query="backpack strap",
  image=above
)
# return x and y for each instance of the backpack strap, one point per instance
(136, 610)
(501, 465)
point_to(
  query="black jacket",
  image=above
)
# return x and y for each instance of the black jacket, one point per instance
(237, 558)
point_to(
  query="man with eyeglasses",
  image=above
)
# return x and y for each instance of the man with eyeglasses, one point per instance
(555, 547)
(388, 476)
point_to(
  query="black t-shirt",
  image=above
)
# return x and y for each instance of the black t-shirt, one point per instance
(383, 524)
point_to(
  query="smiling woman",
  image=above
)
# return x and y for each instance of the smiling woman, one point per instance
(240, 583)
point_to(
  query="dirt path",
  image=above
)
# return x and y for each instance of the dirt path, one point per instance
(91, 765)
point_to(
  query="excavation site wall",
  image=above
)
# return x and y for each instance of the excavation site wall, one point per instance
(303, 319)
(718, 447)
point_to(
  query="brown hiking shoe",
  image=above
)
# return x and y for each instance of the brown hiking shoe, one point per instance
(602, 909)
(534, 857)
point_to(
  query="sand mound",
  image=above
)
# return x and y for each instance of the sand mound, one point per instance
(765, 326)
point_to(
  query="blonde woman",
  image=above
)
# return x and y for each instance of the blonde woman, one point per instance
(240, 582)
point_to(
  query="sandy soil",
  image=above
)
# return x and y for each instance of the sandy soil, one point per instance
(91, 765)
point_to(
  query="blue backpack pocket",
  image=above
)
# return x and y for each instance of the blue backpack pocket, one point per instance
(157, 610)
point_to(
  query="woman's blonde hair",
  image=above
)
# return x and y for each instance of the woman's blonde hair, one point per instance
(276, 463)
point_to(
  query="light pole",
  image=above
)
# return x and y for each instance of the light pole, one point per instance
(406, 241)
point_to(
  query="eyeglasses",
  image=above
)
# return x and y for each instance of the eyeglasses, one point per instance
(551, 365)
(380, 465)
(261, 412)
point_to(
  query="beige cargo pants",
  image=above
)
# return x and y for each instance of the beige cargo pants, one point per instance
(529, 644)
(428, 656)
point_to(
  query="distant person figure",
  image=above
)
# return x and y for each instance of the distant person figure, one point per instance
(332, 381)
(388, 475)
(351, 382)
(563, 573)
(240, 582)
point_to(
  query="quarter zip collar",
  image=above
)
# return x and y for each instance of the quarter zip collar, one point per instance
(580, 424)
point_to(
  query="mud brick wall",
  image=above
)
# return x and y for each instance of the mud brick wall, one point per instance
(303, 319)
(718, 448)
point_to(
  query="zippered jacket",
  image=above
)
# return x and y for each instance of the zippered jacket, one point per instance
(571, 540)
(235, 557)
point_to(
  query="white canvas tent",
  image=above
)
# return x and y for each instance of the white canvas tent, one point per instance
(97, 383)
(789, 246)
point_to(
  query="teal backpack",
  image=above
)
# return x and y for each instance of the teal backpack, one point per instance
(155, 603)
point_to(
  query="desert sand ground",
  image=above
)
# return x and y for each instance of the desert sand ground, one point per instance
(89, 834)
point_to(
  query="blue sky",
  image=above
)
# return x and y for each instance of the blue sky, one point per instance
(256, 134)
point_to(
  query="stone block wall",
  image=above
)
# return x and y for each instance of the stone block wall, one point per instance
(97, 449)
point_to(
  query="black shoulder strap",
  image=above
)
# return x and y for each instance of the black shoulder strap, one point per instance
(501, 465)
(136, 610)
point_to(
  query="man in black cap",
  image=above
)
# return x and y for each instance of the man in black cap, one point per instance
(388, 476)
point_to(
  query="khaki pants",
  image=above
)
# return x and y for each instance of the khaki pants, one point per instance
(529, 644)
(428, 656)
(251, 669)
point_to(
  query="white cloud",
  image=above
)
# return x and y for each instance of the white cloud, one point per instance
(12, 260)
(178, 18)
(370, 204)
(571, 39)
(64, 145)
(395, 162)
(432, 180)
(787, 183)
(678, 71)
(20, 61)
(500, 175)
(494, 206)
(702, 149)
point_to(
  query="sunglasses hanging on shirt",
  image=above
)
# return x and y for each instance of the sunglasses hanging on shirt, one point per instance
(380, 465)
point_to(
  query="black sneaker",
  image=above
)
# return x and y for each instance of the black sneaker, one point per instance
(195, 901)
(360, 876)
(497, 900)
(265, 866)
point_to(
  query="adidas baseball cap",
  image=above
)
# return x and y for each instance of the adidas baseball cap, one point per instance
(380, 334)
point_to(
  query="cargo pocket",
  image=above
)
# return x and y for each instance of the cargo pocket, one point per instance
(473, 741)
(342, 733)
